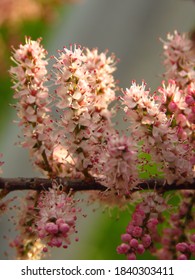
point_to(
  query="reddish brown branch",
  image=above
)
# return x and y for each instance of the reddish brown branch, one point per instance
(38, 184)
(13, 184)
(162, 186)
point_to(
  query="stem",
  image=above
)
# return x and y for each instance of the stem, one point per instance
(39, 184)
(48, 168)
(13, 184)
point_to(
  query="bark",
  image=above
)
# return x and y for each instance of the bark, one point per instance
(38, 184)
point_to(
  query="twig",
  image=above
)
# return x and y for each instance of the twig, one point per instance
(14, 184)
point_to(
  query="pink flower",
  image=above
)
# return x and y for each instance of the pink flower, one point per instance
(131, 256)
(51, 228)
(133, 243)
(140, 249)
(30, 76)
(57, 218)
(119, 170)
(179, 58)
(142, 237)
(146, 240)
(85, 88)
(126, 237)
(137, 231)
(182, 247)
(123, 248)
(182, 257)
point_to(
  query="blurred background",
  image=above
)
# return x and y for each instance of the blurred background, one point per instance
(129, 28)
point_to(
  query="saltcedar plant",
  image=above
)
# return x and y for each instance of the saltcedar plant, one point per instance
(79, 149)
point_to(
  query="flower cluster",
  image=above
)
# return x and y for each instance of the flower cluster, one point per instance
(186, 249)
(80, 143)
(85, 88)
(179, 107)
(152, 123)
(179, 95)
(178, 240)
(119, 170)
(29, 75)
(13, 17)
(46, 220)
(26, 243)
(179, 58)
(141, 232)
(56, 219)
(165, 120)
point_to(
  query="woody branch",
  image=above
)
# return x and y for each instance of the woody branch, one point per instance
(38, 184)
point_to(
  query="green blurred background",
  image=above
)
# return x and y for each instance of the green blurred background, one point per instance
(129, 28)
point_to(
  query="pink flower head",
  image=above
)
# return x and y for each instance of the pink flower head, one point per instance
(182, 247)
(123, 248)
(30, 76)
(57, 217)
(85, 86)
(179, 58)
(146, 240)
(119, 168)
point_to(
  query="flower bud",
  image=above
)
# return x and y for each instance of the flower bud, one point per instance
(146, 240)
(133, 243)
(51, 228)
(126, 237)
(131, 256)
(123, 248)
(182, 247)
(63, 227)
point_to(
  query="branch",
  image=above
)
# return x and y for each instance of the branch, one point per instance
(38, 184)
(161, 186)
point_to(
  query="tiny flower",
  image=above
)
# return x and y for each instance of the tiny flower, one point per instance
(146, 240)
(152, 223)
(172, 106)
(182, 257)
(64, 228)
(55, 242)
(123, 248)
(137, 231)
(140, 249)
(133, 243)
(51, 228)
(182, 247)
(126, 237)
(131, 256)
